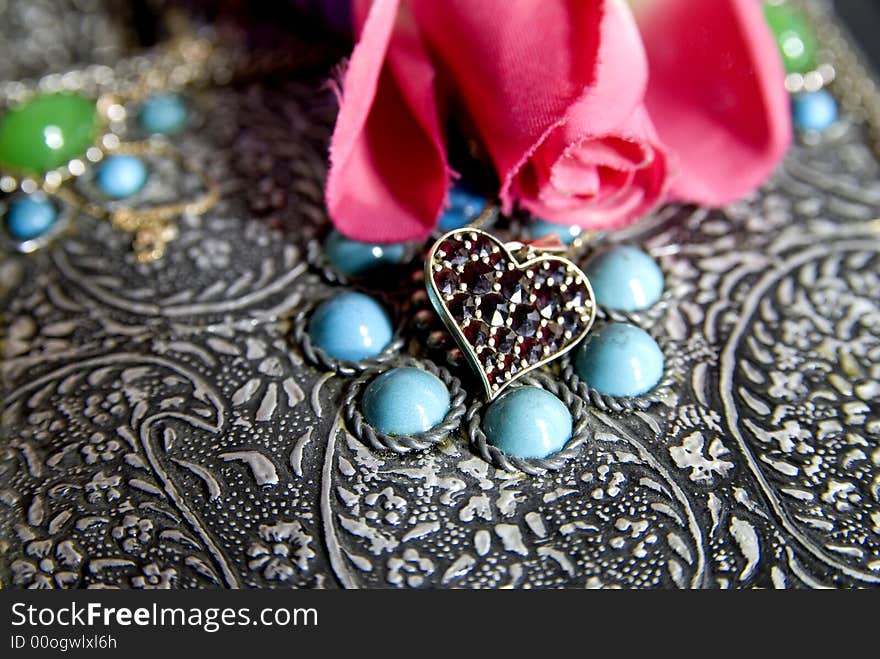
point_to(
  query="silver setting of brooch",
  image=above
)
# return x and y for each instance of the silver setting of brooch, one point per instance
(511, 308)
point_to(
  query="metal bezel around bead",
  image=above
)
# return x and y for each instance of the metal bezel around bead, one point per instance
(362, 430)
(581, 431)
(319, 357)
(618, 404)
(644, 318)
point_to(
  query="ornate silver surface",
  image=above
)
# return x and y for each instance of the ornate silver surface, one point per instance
(161, 428)
(39, 36)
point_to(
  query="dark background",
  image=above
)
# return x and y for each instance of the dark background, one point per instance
(863, 19)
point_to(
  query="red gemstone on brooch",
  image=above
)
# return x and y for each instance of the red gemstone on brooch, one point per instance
(509, 317)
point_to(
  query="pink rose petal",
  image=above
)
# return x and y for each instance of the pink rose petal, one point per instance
(716, 94)
(388, 171)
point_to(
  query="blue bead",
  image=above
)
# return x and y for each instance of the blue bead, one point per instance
(352, 257)
(163, 113)
(121, 176)
(541, 229)
(527, 422)
(625, 278)
(350, 326)
(814, 110)
(30, 217)
(405, 401)
(464, 207)
(620, 360)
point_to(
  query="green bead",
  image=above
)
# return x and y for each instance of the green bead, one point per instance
(46, 132)
(794, 36)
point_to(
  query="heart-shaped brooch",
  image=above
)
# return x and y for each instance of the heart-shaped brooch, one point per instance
(509, 315)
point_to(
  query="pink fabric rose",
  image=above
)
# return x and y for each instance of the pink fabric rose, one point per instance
(591, 115)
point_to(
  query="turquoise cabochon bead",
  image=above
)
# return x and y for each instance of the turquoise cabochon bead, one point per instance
(541, 229)
(814, 110)
(121, 176)
(163, 113)
(30, 217)
(464, 207)
(405, 401)
(350, 326)
(527, 422)
(620, 359)
(353, 257)
(625, 278)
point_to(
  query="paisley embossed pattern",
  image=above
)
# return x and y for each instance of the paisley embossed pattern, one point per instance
(160, 428)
